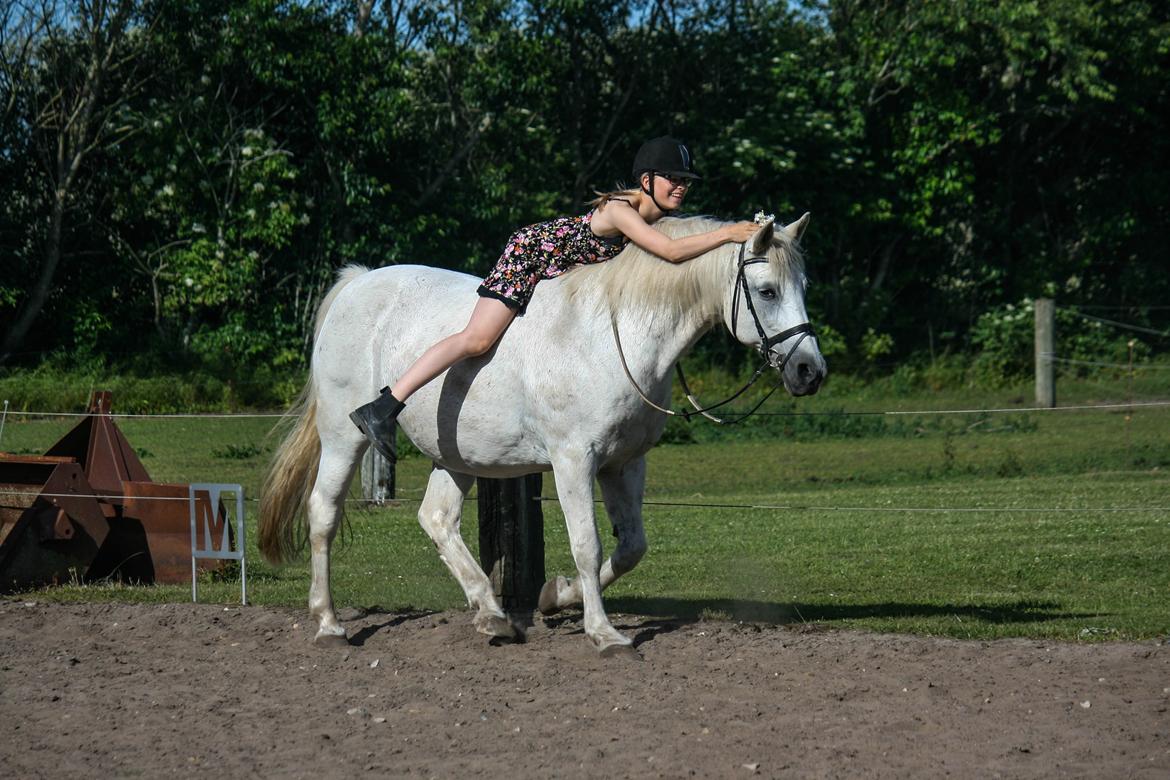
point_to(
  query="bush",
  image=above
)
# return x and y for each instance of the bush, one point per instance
(1005, 343)
(53, 389)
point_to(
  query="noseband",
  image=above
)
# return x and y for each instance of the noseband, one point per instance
(804, 330)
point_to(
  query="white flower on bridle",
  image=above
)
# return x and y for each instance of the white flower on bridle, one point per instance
(762, 219)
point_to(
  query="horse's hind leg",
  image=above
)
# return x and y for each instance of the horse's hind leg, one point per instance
(326, 502)
(439, 515)
(622, 490)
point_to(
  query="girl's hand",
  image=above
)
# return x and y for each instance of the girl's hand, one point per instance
(741, 231)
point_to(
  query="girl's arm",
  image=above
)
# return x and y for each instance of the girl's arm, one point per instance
(676, 250)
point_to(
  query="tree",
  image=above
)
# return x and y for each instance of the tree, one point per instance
(214, 161)
(74, 73)
(994, 126)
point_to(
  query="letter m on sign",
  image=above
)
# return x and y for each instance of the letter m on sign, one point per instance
(212, 516)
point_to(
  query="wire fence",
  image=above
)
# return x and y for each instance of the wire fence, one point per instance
(843, 413)
(1127, 366)
(1129, 406)
(1131, 367)
(1122, 325)
(803, 507)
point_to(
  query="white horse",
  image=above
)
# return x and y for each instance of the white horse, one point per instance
(551, 395)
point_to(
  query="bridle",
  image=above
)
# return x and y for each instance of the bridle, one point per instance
(803, 330)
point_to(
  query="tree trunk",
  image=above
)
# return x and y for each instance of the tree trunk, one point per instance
(51, 258)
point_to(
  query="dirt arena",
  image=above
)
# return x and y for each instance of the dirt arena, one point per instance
(148, 691)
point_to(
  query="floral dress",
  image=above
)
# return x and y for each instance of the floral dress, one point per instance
(545, 250)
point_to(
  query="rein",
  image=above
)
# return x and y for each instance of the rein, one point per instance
(687, 414)
(804, 330)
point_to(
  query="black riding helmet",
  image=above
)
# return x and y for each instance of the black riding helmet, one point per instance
(667, 156)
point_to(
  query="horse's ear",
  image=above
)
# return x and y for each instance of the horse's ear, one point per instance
(796, 229)
(762, 240)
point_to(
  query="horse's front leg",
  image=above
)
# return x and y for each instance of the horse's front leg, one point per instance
(622, 489)
(574, 479)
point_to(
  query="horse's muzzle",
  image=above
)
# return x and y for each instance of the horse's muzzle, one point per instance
(804, 373)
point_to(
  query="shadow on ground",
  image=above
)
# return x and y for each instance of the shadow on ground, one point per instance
(789, 614)
(392, 619)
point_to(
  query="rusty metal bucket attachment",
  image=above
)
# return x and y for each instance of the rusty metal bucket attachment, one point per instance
(51, 527)
(88, 511)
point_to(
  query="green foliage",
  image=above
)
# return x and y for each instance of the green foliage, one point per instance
(236, 451)
(980, 115)
(1004, 337)
(957, 158)
(875, 346)
(48, 388)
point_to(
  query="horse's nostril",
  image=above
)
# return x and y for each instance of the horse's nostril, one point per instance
(809, 375)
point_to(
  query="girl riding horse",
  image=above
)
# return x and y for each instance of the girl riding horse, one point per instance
(664, 170)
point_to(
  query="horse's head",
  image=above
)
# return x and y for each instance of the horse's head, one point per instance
(766, 307)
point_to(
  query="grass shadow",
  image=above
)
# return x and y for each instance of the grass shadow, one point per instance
(690, 610)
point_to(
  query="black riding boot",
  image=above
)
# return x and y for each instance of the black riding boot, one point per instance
(377, 419)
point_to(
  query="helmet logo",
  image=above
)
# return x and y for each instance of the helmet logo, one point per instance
(685, 154)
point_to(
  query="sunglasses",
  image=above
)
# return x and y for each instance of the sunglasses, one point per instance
(676, 181)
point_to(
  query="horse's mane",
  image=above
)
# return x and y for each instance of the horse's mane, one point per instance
(636, 276)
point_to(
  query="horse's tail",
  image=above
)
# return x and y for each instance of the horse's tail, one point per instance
(289, 482)
(290, 477)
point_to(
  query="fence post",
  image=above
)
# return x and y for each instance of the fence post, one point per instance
(511, 539)
(1045, 351)
(377, 477)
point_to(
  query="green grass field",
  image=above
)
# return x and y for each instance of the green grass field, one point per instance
(1039, 524)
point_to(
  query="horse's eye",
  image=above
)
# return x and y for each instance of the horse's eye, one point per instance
(768, 294)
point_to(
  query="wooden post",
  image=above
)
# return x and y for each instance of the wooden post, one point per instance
(377, 477)
(1045, 351)
(511, 539)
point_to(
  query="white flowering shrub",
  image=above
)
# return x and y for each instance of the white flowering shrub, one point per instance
(1004, 339)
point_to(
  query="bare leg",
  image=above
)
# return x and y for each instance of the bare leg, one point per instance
(489, 319)
(377, 419)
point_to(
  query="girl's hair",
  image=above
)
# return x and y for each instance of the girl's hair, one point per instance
(605, 197)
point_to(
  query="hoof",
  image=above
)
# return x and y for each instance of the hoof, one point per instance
(497, 627)
(518, 637)
(331, 640)
(625, 652)
(547, 603)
